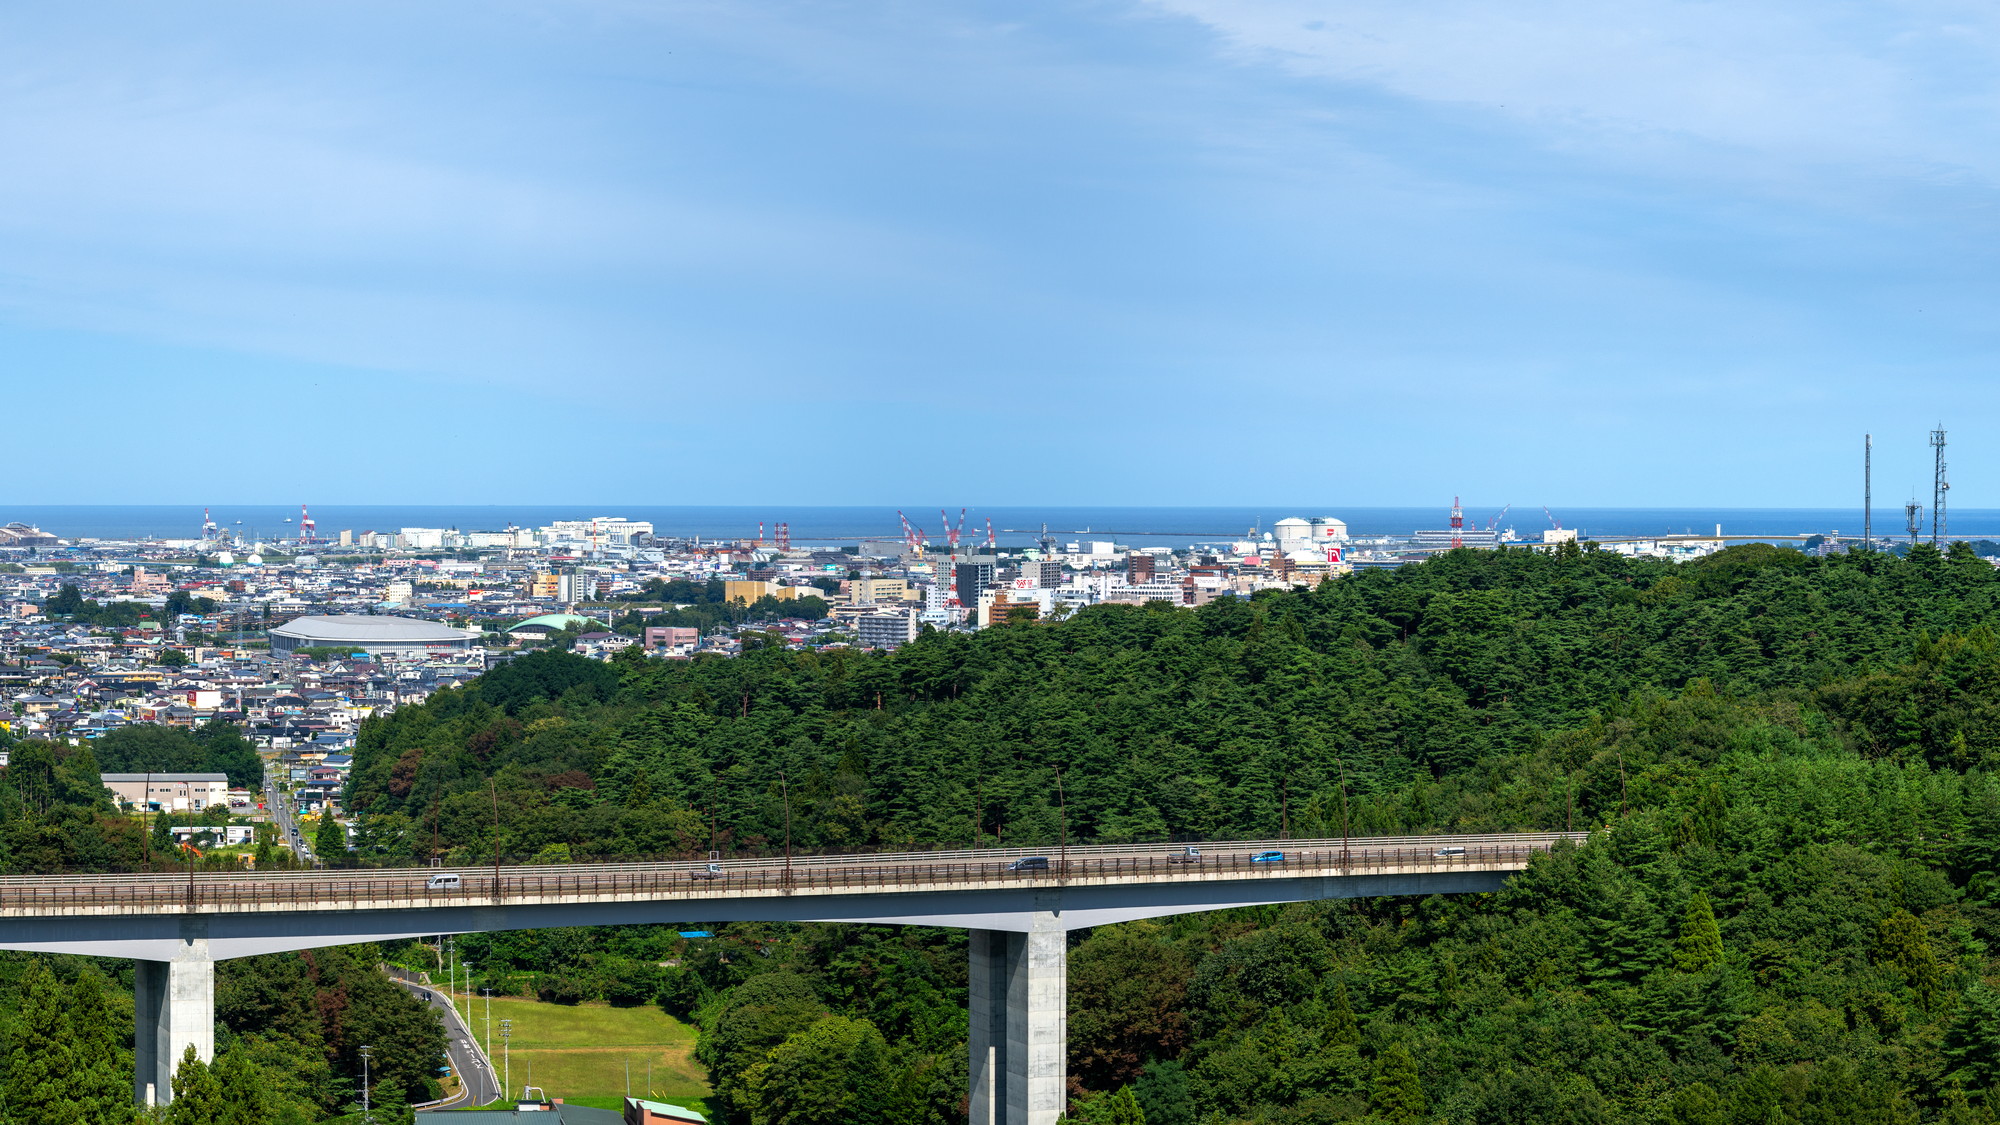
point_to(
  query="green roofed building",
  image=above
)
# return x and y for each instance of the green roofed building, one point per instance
(638, 1111)
(528, 1113)
(553, 623)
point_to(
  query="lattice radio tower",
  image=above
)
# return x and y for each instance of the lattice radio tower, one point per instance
(1913, 515)
(1867, 490)
(1940, 532)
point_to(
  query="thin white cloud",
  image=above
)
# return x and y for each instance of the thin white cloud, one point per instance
(1908, 88)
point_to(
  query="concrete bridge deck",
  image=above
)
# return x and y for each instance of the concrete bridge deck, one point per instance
(177, 925)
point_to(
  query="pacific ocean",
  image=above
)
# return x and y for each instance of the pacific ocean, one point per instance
(1014, 525)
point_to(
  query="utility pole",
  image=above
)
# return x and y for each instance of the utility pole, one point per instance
(467, 1021)
(489, 1023)
(506, 1057)
(367, 1105)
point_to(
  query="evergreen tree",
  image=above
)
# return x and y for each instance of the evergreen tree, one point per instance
(330, 839)
(244, 1089)
(1902, 944)
(1972, 1043)
(103, 1077)
(1164, 1096)
(197, 1095)
(1398, 1096)
(42, 1069)
(1341, 1028)
(1695, 1105)
(392, 1107)
(1700, 945)
(1123, 1109)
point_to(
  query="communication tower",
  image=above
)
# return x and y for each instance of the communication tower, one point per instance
(784, 534)
(1457, 524)
(1867, 489)
(1940, 533)
(1913, 514)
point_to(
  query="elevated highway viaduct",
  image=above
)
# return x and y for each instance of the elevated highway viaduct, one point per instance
(177, 926)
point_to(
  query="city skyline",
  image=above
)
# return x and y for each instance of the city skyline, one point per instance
(1134, 253)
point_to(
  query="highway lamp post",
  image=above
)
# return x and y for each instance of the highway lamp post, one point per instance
(786, 785)
(465, 1023)
(1062, 803)
(489, 1023)
(1341, 761)
(494, 792)
(367, 1104)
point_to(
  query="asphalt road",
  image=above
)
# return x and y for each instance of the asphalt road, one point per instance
(478, 1086)
(986, 868)
(281, 814)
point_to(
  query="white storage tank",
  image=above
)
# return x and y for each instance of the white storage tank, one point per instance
(1293, 534)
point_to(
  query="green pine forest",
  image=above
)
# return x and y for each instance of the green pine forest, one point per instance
(1786, 913)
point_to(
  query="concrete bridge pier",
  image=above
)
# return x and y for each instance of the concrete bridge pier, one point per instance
(174, 1006)
(1019, 1009)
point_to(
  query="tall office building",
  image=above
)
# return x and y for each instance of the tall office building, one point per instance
(1139, 569)
(971, 577)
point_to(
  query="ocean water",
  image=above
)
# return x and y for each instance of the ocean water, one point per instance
(1013, 526)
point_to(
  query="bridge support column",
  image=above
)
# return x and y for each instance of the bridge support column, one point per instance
(173, 1007)
(1019, 1001)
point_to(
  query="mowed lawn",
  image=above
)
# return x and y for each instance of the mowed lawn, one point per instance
(582, 1051)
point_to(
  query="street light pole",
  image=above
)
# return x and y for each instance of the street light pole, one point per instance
(1063, 804)
(786, 785)
(489, 1023)
(1341, 761)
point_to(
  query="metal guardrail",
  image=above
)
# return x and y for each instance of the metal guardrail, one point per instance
(414, 888)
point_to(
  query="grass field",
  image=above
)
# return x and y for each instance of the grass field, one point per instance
(580, 1053)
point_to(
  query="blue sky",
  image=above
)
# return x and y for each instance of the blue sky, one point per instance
(1164, 251)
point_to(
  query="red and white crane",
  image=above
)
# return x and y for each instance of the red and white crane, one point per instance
(306, 525)
(951, 533)
(911, 535)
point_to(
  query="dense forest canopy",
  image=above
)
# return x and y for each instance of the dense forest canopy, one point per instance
(1784, 915)
(1241, 718)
